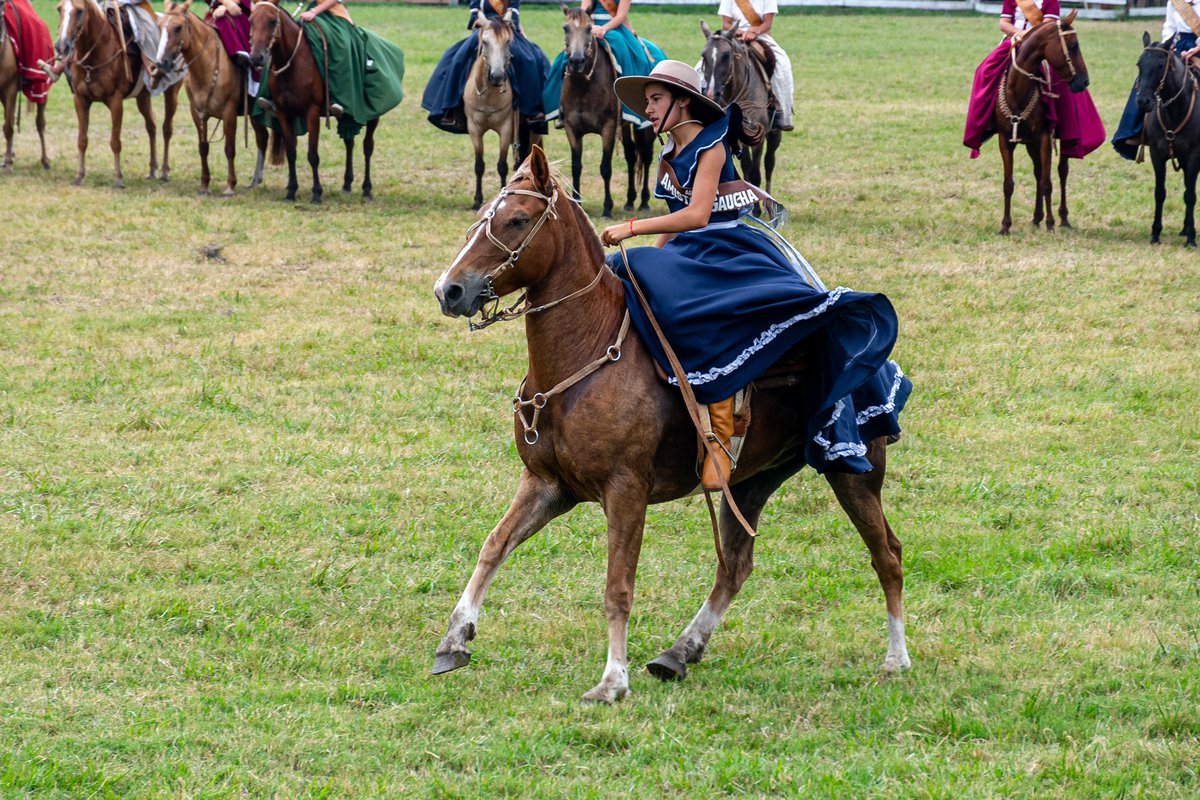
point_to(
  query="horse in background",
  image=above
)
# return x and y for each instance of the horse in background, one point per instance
(10, 87)
(1020, 115)
(1172, 130)
(623, 437)
(100, 69)
(216, 87)
(589, 105)
(297, 91)
(733, 74)
(488, 100)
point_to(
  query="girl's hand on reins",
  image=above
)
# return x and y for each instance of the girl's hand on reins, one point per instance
(615, 234)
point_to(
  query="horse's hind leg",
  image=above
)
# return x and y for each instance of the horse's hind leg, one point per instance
(1064, 169)
(202, 146)
(147, 111)
(314, 152)
(1189, 202)
(116, 108)
(10, 106)
(630, 150)
(348, 175)
(860, 496)
(368, 150)
(1045, 168)
(41, 132)
(230, 127)
(737, 550)
(535, 504)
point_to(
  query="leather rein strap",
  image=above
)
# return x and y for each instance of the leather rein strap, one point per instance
(693, 409)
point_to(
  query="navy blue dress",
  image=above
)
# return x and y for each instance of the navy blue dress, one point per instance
(1132, 120)
(444, 93)
(734, 296)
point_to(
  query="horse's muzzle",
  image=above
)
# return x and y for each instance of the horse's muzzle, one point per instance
(1079, 83)
(1145, 104)
(462, 297)
(258, 58)
(576, 65)
(63, 49)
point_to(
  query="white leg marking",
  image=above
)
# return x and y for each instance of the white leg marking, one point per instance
(897, 653)
(698, 631)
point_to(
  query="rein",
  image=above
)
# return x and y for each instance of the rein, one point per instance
(741, 57)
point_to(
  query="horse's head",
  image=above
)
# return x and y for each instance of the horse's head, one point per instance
(175, 34)
(1155, 66)
(72, 16)
(718, 63)
(495, 41)
(577, 40)
(1058, 44)
(507, 249)
(266, 25)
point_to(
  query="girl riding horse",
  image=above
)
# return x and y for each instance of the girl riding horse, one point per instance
(733, 296)
(1180, 28)
(1072, 115)
(634, 55)
(443, 97)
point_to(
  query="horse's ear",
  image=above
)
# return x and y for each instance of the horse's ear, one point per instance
(167, 6)
(539, 169)
(507, 15)
(705, 29)
(186, 5)
(1069, 18)
(1145, 39)
(565, 9)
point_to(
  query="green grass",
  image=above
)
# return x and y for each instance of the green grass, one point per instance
(239, 500)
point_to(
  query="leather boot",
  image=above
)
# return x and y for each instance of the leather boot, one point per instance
(721, 416)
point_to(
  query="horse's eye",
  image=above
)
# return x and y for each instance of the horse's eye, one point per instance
(566, 28)
(178, 28)
(518, 222)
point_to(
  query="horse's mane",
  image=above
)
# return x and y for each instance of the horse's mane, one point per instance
(563, 184)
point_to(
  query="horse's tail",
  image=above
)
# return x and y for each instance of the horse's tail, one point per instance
(277, 148)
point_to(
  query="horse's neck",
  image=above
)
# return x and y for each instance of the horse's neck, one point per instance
(95, 24)
(1020, 84)
(198, 52)
(565, 338)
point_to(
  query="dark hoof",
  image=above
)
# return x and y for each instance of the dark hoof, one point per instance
(1003, 231)
(1066, 225)
(667, 668)
(1191, 243)
(448, 662)
(629, 206)
(1154, 240)
(346, 189)
(368, 197)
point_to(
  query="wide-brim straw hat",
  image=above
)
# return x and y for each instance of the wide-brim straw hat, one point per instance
(676, 74)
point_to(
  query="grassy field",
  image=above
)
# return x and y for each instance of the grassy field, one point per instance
(239, 497)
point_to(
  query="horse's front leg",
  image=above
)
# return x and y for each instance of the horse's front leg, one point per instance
(1189, 201)
(535, 504)
(348, 175)
(145, 108)
(476, 135)
(646, 160)
(609, 138)
(1035, 155)
(230, 127)
(116, 108)
(737, 551)
(773, 140)
(314, 153)
(1006, 156)
(261, 138)
(83, 113)
(1064, 169)
(861, 497)
(507, 133)
(625, 507)
(170, 106)
(202, 145)
(10, 107)
(1160, 193)
(1045, 182)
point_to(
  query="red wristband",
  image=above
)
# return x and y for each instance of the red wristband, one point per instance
(631, 233)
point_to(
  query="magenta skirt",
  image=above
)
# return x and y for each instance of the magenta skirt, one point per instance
(1073, 116)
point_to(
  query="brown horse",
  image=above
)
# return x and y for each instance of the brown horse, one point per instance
(10, 85)
(589, 105)
(1020, 114)
(297, 91)
(488, 99)
(103, 70)
(216, 87)
(621, 436)
(732, 75)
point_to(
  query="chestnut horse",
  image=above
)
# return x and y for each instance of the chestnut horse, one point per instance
(1020, 114)
(297, 91)
(731, 75)
(488, 99)
(590, 105)
(1166, 94)
(216, 87)
(99, 72)
(621, 436)
(10, 85)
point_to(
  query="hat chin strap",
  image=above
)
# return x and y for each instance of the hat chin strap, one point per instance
(658, 133)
